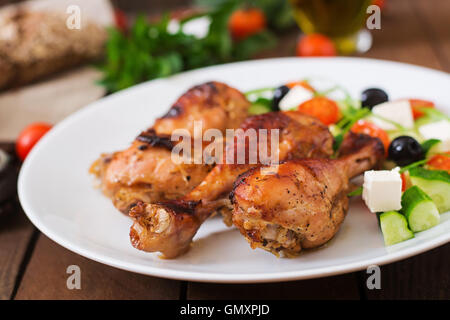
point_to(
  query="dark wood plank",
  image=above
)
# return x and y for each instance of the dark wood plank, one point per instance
(425, 276)
(338, 287)
(46, 277)
(16, 233)
(433, 17)
(402, 37)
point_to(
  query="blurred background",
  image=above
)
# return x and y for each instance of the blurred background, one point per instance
(57, 56)
(50, 66)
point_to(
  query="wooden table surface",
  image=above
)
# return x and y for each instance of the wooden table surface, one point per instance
(34, 267)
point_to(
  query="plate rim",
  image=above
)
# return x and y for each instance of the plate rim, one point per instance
(215, 277)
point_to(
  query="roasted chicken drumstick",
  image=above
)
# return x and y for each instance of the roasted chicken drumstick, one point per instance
(169, 226)
(304, 204)
(145, 171)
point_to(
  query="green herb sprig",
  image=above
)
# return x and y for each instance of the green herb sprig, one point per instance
(149, 51)
(350, 116)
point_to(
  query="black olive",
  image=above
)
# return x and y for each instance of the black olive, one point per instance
(279, 94)
(373, 96)
(405, 150)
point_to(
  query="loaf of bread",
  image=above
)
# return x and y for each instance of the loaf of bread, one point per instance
(34, 44)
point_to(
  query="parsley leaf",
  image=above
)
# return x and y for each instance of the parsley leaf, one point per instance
(149, 51)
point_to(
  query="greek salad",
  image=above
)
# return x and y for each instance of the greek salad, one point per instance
(413, 188)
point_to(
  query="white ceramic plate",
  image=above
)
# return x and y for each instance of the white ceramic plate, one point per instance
(58, 195)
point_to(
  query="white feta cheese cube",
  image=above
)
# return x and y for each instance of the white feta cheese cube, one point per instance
(437, 130)
(397, 111)
(296, 96)
(382, 190)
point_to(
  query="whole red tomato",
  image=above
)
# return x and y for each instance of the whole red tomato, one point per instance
(29, 136)
(245, 22)
(120, 19)
(315, 45)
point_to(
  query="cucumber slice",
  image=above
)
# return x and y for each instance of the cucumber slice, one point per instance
(394, 227)
(419, 209)
(435, 183)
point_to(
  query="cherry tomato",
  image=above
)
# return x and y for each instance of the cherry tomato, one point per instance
(440, 162)
(28, 138)
(120, 19)
(246, 22)
(372, 130)
(315, 45)
(324, 109)
(302, 83)
(416, 104)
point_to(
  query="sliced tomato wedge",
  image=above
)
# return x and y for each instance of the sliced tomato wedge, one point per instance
(404, 181)
(372, 130)
(440, 162)
(416, 104)
(322, 108)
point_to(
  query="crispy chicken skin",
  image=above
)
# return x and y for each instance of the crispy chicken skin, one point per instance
(304, 204)
(215, 104)
(169, 226)
(145, 171)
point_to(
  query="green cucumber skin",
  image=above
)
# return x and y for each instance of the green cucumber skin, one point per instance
(411, 197)
(419, 209)
(394, 227)
(422, 173)
(435, 183)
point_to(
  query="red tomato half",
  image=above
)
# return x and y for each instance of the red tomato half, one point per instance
(372, 130)
(416, 104)
(322, 108)
(404, 182)
(28, 138)
(315, 45)
(440, 162)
